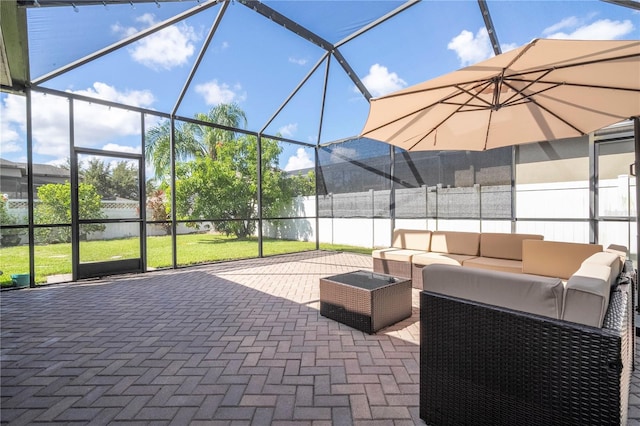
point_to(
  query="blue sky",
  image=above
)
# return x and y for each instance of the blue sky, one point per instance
(257, 64)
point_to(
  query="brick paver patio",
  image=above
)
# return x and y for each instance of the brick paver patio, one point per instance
(225, 344)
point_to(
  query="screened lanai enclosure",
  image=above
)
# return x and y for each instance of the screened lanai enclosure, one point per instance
(148, 134)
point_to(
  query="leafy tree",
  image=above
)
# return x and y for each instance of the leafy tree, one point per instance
(55, 208)
(226, 188)
(303, 184)
(122, 181)
(216, 177)
(97, 174)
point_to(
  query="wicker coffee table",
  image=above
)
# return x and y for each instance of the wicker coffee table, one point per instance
(365, 300)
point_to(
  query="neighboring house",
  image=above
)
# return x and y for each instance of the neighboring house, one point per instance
(13, 177)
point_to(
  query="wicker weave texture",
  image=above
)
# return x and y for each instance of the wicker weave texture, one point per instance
(365, 310)
(392, 267)
(482, 365)
(416, 276)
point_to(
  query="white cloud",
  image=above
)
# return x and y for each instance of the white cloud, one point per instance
(508, 46)
(11, 118)
(299, 161)
(95, 125)
(215, 93)
(122, 148)
(380, 81)
(298, 61)
(148, 19)
(471, 49)
(166, 49)
(603, 29)
(137, 98)
(570, 22)
(289, 130)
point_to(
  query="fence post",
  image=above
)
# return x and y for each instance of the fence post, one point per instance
(476, 186)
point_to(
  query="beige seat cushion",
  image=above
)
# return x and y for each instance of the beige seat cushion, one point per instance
(453, 242)
(504, 246)
(494, 264)
(439, 258)
(554, 258)
(412, 239)
(400, 255)
(527, 293)
(587, 295)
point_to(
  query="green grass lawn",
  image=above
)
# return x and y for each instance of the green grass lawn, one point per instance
(55, 259)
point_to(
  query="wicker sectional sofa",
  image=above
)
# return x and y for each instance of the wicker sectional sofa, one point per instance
(553, 345)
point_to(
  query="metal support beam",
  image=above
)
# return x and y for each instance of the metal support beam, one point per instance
(377, 22)
(293, 93)
(298, 29)
(324, 99)
(484, 9)
(287, 23)
(80, 3)
(259, 189)
(352, 74)
(203, 50)
(631, 4)
(30, 197)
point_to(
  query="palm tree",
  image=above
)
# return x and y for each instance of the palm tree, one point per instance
(192, 140)
(158, 147)
(228, 115)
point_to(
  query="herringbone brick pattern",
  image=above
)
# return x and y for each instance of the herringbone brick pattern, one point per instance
(237, 343)
(232, 343)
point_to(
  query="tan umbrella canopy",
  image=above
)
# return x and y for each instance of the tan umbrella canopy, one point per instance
(544, 90)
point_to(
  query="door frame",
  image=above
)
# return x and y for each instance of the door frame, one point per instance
(112, 267)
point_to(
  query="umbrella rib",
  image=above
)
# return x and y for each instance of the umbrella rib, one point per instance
(435, 128)
(520, 92)
(484, 86)
(593, 86)
(557, 116)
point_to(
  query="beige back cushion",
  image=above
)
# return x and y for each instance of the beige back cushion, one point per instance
(413, 239)
(554, 258)
(454, 242)
(621, 251)
(527, 293)
(605, 258)
(504, 246)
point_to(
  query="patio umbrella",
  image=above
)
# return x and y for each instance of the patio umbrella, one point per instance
(544, 90)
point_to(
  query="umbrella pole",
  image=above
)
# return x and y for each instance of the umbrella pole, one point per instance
(636, 137)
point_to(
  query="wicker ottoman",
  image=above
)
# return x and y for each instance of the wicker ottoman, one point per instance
(365, 300)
